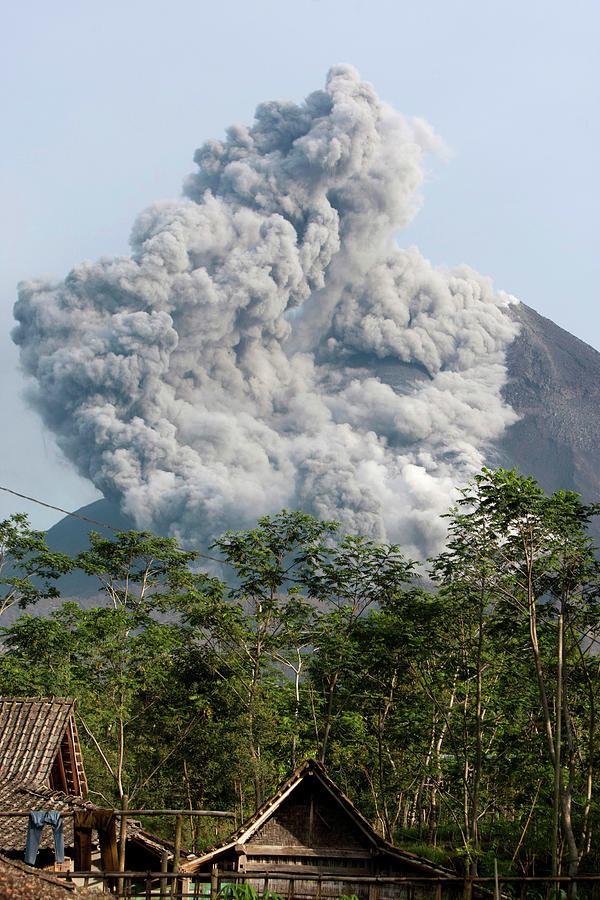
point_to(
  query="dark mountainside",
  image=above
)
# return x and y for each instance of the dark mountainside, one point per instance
(70, 536)
(554, 385)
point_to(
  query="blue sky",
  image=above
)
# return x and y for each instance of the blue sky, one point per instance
(104, 105)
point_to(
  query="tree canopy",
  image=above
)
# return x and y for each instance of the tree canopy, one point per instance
(455, 701)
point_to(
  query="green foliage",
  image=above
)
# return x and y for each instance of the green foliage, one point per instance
(245, 892)
(28, 567)
(435, 710)
(136, 567)
(237, 892)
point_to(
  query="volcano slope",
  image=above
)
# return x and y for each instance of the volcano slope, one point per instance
(554, 386)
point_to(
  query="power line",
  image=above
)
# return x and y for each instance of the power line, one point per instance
(59, 509)
(114, 528)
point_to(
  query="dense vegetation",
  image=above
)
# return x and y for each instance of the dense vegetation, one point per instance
(456, 703)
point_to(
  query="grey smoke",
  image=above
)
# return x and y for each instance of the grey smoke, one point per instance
(267, 344)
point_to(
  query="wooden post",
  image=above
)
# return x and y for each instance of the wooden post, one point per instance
(149, 885)
(164, 860)
(122, 842)
(176, 851)
(438, 889)
(214, 882)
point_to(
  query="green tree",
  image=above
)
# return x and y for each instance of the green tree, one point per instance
(348, 580)
(120, 665)
(28, 568)
(136, 568)
(124, 649)
(517, 551)
(253, 628)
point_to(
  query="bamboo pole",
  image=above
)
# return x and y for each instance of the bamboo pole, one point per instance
(164, 859)
(176, 851)
(65, 814)
(122, 842)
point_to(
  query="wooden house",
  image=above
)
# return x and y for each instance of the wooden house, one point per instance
(309, 840)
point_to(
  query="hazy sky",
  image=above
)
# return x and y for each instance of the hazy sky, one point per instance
(104, 104)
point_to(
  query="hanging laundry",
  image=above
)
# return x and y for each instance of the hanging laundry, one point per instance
(37, 820)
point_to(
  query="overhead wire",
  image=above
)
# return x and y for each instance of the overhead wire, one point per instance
(114, 528)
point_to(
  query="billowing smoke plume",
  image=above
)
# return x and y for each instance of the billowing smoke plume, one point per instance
(268, 345)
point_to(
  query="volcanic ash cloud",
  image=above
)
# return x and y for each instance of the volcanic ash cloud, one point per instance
(267, 344)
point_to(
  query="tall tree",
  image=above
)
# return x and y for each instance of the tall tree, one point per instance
(260, 622)
(531, 554)
(136, 568)
(348, 579)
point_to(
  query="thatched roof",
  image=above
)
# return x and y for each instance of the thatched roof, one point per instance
(38, 739)
(13, 830)
(39, 745)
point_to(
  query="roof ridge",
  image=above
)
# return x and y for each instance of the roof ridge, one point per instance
(70, 700)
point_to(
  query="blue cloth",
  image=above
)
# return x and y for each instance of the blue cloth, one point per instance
(37, 820)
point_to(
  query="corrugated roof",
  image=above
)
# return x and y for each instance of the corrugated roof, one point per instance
(31, 731)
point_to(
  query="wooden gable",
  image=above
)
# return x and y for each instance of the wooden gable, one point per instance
(309, 818)
(67, 773)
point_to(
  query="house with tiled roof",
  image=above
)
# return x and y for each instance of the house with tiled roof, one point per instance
(41, 766)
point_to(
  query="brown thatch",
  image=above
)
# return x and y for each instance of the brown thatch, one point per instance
(41, 768)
